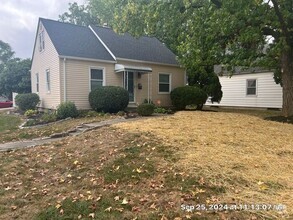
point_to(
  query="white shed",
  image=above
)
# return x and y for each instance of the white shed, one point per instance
(250, 90)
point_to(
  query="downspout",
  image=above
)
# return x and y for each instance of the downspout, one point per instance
(148, 87)
(64, 79)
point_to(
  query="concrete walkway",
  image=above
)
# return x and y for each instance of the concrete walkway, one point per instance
(56, 137)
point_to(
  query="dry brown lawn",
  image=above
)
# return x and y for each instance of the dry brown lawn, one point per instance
(250, 157)
(147, 169)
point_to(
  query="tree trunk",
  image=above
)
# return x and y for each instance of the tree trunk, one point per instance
(287, 80)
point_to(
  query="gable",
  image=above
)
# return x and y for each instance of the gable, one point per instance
(75, 41)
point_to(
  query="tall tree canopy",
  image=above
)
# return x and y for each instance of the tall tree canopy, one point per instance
(6, 52)
(206, 32)
(14, 72)
(79, 15)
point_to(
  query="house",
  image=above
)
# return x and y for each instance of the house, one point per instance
(70, 60)
(254, 88)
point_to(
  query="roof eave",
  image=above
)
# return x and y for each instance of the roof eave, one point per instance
(147, 62)
(86, 59)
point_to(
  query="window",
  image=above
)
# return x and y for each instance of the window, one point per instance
(48, 80)
(96, 78)
(251, 87)
(41, 41)
(164, 83)
(37, 82)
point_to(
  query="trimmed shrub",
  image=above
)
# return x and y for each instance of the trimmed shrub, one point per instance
(145, 109)
(66, 110)
(111, 99)
(27, 101)
(188, 95)
(49, 117)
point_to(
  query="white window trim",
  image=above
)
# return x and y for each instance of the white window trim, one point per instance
(104, 75)
(170, 83)
(42, 41)
(37, 83)
(256, 88)
(48, 83)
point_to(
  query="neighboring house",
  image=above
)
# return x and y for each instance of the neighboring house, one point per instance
(250, 89)
(70, 60)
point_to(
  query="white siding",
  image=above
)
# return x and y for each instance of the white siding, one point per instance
(46, 59)
(269, 94)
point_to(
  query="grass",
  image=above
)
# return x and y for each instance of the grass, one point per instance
(248, 158)
(9, 130)
(8, 123)
(148, 169)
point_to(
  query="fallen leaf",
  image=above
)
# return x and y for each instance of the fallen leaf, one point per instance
(108, 209)
(116, 198)
(124, 202)
(13, 207)
(138, 170)
(119, 209)
(75, 162)
(58, 206)
(164, 218)
(92, 215)
(153, 206)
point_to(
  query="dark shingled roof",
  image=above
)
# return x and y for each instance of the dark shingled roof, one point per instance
(76, 41)
(144, 48)
(79, 41)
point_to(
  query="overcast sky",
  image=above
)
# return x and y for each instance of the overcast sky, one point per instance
(19, 19)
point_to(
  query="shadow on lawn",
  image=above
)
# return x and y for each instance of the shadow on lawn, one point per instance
(282, 119)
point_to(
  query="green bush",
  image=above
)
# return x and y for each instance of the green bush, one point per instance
(49, 117)
(145, 109)
(27, 101)
(30, 113)
(161, 110)
(111, 99)
(188, 95)
(66, 110)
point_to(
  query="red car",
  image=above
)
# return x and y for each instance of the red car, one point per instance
(5, 103)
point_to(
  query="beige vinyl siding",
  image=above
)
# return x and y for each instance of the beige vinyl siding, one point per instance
(42, 61)
(268, 93)
(78, 79)
(177, 79)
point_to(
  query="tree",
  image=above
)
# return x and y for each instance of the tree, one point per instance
(79, 15)
(15, 77)
(244, 33)
(6, 52)
(168, 21)
(247, 25)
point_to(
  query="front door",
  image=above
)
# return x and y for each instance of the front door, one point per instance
(129, 84)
